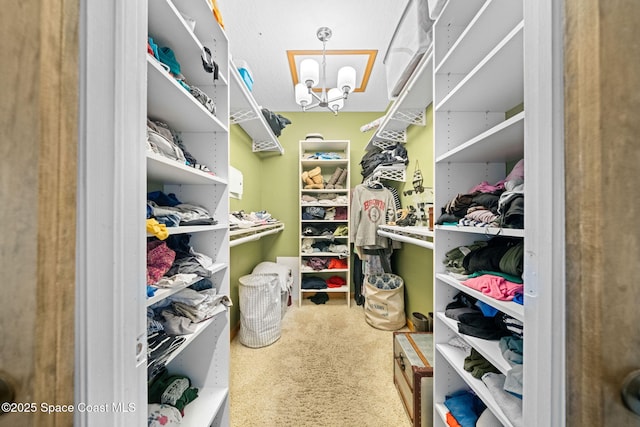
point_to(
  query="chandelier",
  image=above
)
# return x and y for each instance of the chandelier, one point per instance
(332, 99)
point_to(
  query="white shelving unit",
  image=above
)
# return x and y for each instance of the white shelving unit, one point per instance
(478, 62)
(246, 113)
(328, 167)
(204, 355)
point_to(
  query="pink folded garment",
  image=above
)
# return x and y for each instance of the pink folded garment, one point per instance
(495, 286)
(482, 215)
(485, 187)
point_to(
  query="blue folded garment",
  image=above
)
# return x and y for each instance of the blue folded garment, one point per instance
(465, 407)
(518, 298)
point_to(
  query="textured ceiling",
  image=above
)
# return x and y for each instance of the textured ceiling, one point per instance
(261, 33)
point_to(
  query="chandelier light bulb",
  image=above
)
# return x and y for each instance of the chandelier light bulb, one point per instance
(303, 97)
(309, 72)
(347, 79)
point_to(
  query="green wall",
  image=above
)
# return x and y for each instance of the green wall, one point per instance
(414, 263)
(244, 257)
(271, 183)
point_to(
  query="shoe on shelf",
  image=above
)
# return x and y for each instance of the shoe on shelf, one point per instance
(334, 178)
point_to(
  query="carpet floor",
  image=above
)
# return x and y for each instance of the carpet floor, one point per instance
(329, 368)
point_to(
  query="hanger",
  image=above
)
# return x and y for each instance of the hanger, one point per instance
(373, 181)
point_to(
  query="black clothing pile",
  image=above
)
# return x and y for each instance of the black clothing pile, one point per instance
(375, 157)
(276, 121)
(473, 322)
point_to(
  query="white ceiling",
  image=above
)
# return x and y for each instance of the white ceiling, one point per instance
(261, 33)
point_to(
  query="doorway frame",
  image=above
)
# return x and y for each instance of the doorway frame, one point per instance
(110, 320)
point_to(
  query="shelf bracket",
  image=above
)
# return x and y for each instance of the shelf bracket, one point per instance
(412, 117)
(240, 116)
(393, 135)
(265, 145)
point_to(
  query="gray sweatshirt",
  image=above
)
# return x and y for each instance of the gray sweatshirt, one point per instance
(368, 210)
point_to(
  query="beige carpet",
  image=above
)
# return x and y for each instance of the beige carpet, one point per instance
(329, 368)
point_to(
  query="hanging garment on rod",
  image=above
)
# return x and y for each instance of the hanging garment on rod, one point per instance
(368, 210)
(372, 260)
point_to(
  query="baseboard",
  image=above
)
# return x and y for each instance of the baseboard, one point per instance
(234, 331)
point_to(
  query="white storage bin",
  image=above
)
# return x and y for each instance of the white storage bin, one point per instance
(410, 41)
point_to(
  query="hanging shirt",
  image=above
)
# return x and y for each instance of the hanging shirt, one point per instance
(368, 210)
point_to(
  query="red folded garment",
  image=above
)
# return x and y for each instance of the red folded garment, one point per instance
(335, 282)
(337, 263)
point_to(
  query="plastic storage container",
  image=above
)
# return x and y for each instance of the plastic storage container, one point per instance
(435, 7)
(410, 41)
(245, 73)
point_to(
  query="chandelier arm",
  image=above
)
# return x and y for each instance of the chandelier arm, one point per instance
(315, 96)
(310, 107)
(337, 98)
